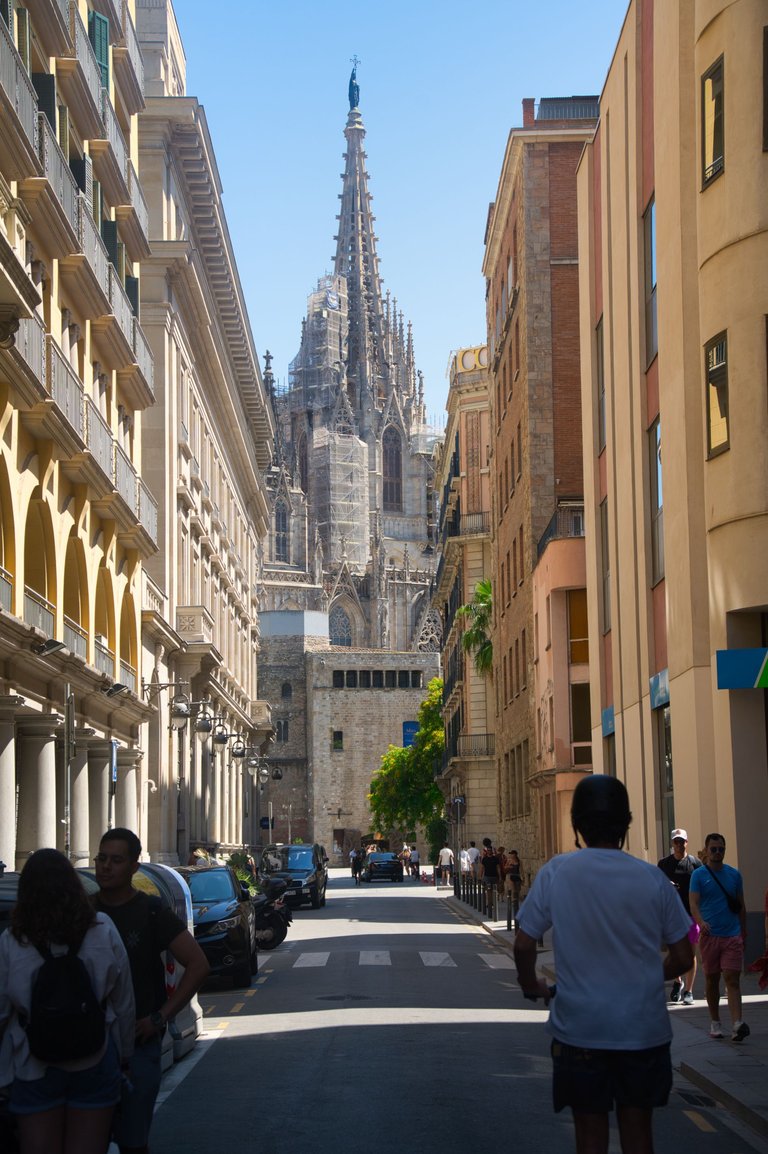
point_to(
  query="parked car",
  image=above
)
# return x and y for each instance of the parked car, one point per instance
(382, 866)
(225, 922)
(303, 867)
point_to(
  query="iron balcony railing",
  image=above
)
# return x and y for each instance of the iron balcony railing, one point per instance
(128, 676)
(147, 510)
(93, 246)
(6, 590)
(98, 437)
(66, 388)
(137, 199)
(143, 355)
(567, 521)
(125, 479)
(30, 345)
(132, 44)
(75, 638)
(17, 86)
(58, 173)
(121, 305)
(104, 658)
(114, 134)
(467, 525)
(38, 611)
(84, 54)
(476, 745)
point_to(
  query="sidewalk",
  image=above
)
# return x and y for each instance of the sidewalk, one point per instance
(736, 1076)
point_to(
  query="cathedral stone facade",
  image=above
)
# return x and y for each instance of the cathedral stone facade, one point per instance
(348, 637)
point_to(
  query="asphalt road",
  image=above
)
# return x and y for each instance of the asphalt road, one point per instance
(387, 1022)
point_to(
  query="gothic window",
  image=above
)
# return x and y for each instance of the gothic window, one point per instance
(431, 634)
(286, 691)
(339, 627)
(393, 469)
(303, 465)
(281, 531)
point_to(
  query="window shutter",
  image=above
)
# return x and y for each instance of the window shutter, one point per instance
(64, 129)
(120, 262)
(98, 34)
(5, 12)
(109, 236)
(23, 37)
(132, 292)
(45, 86)
(81, 168)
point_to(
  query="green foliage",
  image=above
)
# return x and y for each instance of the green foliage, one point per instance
(477, 634)
(403, 791)
(436, 832)
(241, 864)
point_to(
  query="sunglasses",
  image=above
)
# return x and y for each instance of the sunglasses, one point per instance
(716, 849)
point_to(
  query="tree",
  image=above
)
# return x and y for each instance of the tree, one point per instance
(403, 791)
(477, 634)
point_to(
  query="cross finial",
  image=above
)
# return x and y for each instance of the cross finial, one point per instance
(353, 60)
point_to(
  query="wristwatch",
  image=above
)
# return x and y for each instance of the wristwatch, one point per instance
(158, 1021)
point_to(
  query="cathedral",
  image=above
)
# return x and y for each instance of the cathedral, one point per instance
(347, 636)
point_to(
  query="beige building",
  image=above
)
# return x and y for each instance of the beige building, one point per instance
(207, 442)
(532, 290)
(673, 326)
(77, 520)
(462, 481)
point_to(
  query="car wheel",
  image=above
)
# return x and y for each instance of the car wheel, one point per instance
(314, 897)
(254, 959)
(241, 974)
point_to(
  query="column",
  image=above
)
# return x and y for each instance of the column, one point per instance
(81, 851)
(8, 707)
(127, 791)
(99, 786)
(36, 769)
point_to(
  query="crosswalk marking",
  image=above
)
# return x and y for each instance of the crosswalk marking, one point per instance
(436, 959)
(375, 958)
(498, 961)
(317, 959)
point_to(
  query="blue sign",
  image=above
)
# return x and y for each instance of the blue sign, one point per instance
(264, 823)
(660, 689)
(742, 668)
(410, 729)
(609, 721)
(113, 760)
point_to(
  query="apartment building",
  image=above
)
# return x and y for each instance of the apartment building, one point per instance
(462, 479)
(673, 243)
(77, 520)
(532, 291)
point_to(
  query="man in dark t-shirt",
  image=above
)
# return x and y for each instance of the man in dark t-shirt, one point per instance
(678, 866)
(147, 929)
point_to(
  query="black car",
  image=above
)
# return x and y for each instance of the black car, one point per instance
(303, 867)
(225, 923)
(382, 866)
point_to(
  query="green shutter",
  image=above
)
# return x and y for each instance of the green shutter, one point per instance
(132, 292)
(5, 12)
(109, 236)
(98, 34)
(45, 86)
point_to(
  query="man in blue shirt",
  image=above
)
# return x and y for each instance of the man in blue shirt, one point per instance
(717, 904)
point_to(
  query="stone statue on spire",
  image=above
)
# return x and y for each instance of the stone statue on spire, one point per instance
(354, 87)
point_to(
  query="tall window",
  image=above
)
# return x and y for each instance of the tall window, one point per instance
(605, 560)
(600, 365)
(282, 552)
(281, 729)
(303, 463)
(651, 332)
(666, 780)
(716, 361)
(713, 122)
(339, 627)
(657, 502)
(578, 629)
(393, 469)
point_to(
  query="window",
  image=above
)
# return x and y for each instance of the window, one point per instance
(403, 679)
(338, 679)
(303, 463)
(716, 359)
(519, 451)
(365, 679)
(378, 678)
(605, 561)
(415, 679)
(393, 469)
(281, 729)
(286, 691)
(351, 679)
(578, 631)
(390, 679)
(581, 724)
(523, 660)
(281, 531)
(337, 740)
(656, 502)
(651, 332)
(713, 122)
(339, 627)
(600, 372)
(521, 555)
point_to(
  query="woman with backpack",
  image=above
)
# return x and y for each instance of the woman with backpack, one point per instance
(66, 1012)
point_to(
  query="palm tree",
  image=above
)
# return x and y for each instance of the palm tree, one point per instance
(477, 637)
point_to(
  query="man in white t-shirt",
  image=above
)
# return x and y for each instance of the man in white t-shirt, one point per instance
(445, 863)
(473, 853)
(609, 1022)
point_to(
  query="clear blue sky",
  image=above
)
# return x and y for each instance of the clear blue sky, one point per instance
(441, 84)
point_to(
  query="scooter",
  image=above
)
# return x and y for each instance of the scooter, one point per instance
(273, 916)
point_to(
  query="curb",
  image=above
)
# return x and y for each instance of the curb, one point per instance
(719, 1091)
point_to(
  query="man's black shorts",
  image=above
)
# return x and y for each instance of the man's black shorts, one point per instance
(590, 1081)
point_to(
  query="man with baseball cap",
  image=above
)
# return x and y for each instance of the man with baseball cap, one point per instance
(678, 866)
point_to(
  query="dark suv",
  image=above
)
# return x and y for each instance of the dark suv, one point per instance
(225, 921)
(304, 868)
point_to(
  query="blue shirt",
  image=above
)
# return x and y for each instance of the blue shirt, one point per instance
(713, 904)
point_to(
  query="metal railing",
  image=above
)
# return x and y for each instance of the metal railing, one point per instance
(104, 658)
(128, 676)
(114, 134)
(58, 173)
(147, 510)
(476, 745)
(132, 44)
(120, 305)
(84, 54)
(467, 524)
(6, 590)
(38, 611)
(125, 478)
(143, 355)
(93, 246)
(66, 388)
(75, 638)
(137, 199)
(98, 437)
(30, 345)
(567, 521)
(17, 86)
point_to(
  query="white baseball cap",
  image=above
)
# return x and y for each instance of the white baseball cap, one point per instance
(679, 833)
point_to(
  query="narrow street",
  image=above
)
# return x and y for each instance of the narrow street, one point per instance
(387, 1020)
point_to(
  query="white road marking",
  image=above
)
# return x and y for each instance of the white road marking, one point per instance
(375, 958)
(498, 961)
(317, 959)
(436, 959)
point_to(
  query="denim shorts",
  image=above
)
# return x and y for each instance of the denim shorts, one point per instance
(93, 1089)
(133, 1119)
(590, 1081)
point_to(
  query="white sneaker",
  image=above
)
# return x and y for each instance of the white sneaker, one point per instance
(715, 1030)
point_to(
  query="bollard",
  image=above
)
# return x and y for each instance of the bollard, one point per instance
(509, 911)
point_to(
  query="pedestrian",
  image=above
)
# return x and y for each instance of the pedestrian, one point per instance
(354, 855)
(147, 929)
(678, 867)
(717, 905)
(488, 872)
(445, 863)
(415, 861)
(67, 1104)
(464, 862)
(513, 880)
(405, 858)
(609, 1022)
(357, 866)
(474, 854)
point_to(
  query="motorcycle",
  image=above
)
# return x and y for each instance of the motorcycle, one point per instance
(273, 915)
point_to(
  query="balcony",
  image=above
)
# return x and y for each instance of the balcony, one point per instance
(129, 65)
(103, 657)
(567, 521)
(98, 438)
(128, 676)
(110, 155)
(39, 612)
(6, 590)
(79, 78)
(75, 638)
(24, 363)
(51, 21)
(133, 218)
(137, 380)
(467, 525)
(261, 718)
(476, 745)
(18, 113)
(86, 273)
(147, 506)
(126, 481)
(66, 389)
(194, 624)
(114, 329)
(53, 197)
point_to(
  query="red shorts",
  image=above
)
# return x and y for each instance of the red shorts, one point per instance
(718, 954)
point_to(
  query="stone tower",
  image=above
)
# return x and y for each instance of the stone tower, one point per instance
(350, 558)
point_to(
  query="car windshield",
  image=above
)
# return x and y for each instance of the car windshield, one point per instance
(380, 857)
(287, 857)
(210, 887)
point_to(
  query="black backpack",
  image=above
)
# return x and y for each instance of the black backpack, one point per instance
(66, 1022)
